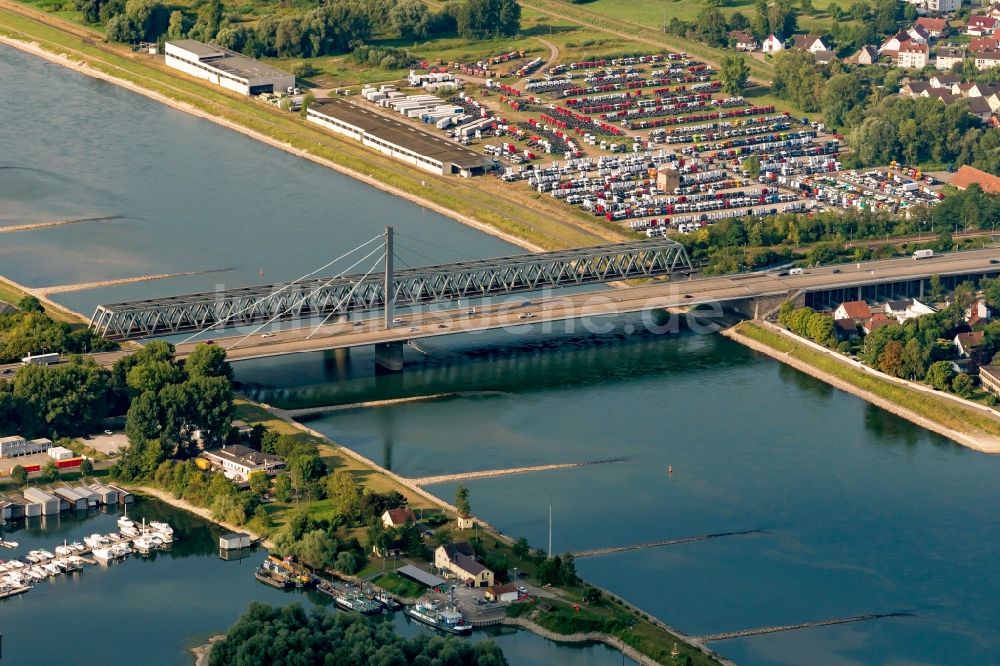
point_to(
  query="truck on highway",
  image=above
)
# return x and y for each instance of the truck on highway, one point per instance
(40, 359)
(923, 254)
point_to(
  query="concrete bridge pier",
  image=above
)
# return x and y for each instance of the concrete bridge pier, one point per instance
(389, 356)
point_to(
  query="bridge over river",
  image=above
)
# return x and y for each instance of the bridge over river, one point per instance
(663, 263)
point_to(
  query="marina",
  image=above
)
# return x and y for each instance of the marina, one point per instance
(19, 575)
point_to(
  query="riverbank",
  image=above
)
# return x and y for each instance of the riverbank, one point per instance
(201, 512)
(962, 424)
(485, 204)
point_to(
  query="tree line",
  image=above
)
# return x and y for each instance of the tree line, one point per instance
(28, 330)
(750, 243)
(333, 27)
(266, 634)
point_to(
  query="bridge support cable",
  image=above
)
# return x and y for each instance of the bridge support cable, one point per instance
(279, 290)
(304, 298)
(356, 284)
(317, 297)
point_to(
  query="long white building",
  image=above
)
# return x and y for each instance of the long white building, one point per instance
(396, 139)
(226, 68)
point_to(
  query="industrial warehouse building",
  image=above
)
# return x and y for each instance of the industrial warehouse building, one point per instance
(396, 139)
(226, 68)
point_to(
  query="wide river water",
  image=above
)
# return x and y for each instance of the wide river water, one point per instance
(858, 511)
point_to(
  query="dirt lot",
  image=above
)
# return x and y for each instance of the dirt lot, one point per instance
(107, 444)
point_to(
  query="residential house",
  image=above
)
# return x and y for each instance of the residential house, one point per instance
(891, 46)
(948, 56)
(742, 40)
(993, 11)
(918, 34)
(866, 55)
(398, 517)
(980, 107)
(994, 102)
(977, 312)
(899, 310)
(877, 321)
(460, 559)
(967, 342)
(986, 59)
(824, 57)
(772, 44)
(980, 26)
(943, 95)
(966, 176)
(977, 89)
(811, 43)
(983, 44)
(935, 27)
(238, 462)
(859, 311)
(945, 80)
(912, 55)
(915, 88)
(962, 89)
(917, 309)
(847, 329)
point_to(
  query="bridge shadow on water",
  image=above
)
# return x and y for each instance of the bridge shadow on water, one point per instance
(487, 365)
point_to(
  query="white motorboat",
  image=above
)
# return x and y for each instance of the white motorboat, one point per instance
(143, 544)
(96, 541)
(121, 549)
(64, 550)
(163, 530)
(103, 554)
(52, 568)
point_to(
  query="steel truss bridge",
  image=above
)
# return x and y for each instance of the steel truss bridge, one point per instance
(340, 295)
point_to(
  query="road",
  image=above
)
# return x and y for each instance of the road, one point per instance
(542, 312)
(535, 313)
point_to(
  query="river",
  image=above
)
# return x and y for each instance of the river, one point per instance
(858, 510)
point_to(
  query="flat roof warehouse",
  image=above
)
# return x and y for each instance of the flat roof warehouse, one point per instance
(397, 139)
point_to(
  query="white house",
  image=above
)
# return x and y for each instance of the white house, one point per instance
(987, 59)
(977, 312)
(398, 517)
(226, 68)
(948, 57)
(15, 445)
(966, 342)
(772, 44)
(239, 462)
(980, 26)
(912, 55)
(859, 311)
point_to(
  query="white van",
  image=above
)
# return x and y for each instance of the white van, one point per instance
(796, 271)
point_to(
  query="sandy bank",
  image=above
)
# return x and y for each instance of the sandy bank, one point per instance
(201, 512)
(983, 443)
(82, 67)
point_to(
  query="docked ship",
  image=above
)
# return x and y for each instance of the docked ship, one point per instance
(354, 601)
(448, 620)
(387, 600)
(270, 577)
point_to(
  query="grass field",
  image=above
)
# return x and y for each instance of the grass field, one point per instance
(947, 412)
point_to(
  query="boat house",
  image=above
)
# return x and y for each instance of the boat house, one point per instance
(459, 559)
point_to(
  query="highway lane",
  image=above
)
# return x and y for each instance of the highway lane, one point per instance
(527, 311)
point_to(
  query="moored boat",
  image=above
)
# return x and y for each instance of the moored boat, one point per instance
(447, 620)
(271, 578)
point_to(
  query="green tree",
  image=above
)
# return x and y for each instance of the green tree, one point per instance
(711, 28)
(307, 101)
(935, 289)
(143, 419)
(30, 304)
(283, 488)
(751, 166)
(940, 375)
(345, 493)
(271, 634)
(50, 472)
(177, 26)
(346, 563)
(411, 20)
(913, 361)
(962, 385)
(462, 500)
(86, 467)
(821, 329)
(19, 475)
(734, 74)
(592, 596)
(208, 361)
(260, 483)
(317, 549)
